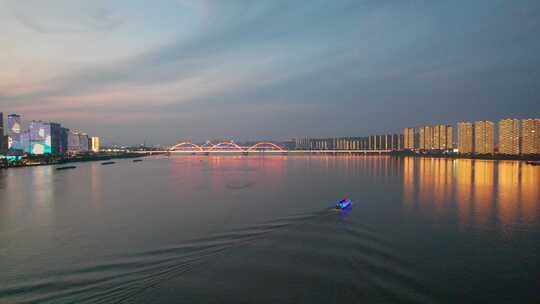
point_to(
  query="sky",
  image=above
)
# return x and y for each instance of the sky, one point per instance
(166, 71)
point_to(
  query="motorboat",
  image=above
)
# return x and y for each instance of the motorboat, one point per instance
(66, 168)
(343, 204)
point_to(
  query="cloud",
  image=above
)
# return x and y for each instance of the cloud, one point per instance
(63, 17)
(317, 67)
(218, 61)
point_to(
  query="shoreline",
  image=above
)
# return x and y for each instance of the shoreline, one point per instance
(526, 158)
(52, 161)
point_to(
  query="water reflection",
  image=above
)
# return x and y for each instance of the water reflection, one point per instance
(408, 181)
(502, 195)
(96, 191)
(42, 196)
(509, 192)
(530, 193)
(483, 191)
(344, 213)
(233, 173)
(104, 233)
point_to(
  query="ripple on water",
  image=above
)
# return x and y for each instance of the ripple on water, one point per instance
(280, 261)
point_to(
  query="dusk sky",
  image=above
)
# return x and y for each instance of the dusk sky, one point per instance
(164, 71)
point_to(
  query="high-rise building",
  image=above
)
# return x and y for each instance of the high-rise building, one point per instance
(408, 139)
(4, 143)
(426, 138)
(83, 140)
(442, 137)
(56, 138)
(94, 144)
(436, 138)
(530, 132)
(428, 133)
(484, 135)
(25, 142)
(14, 132)
(509, 136)
(64, 136)
(40, 138)
(396, 142)
(302, 143)
(422, 138)
(77, 142)
(449, 137)
(465, 133)
(2, 132)
(378, 142)
(90, 144)
(74, 146)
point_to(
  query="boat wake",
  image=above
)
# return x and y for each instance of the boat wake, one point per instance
(288, 250)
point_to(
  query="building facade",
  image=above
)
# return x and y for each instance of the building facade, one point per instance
(465, 133)
(449, 137)
(40, 138)
(426, 136)
(509, 137)
(391, 142)
(56, 137)
(436, 139)
(25, 142)
(95, 145)
(302, 143)
(64, 136)
(14, 132)
(445, 137)
(2, 148)
(530, 133)
(83, 141)
(74, 146)
(422, 138)
(484, 137)
(408, 139)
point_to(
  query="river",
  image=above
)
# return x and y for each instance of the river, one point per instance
(260, 229)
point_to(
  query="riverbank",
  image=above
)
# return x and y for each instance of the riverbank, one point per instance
(528, 158)
(32, 161)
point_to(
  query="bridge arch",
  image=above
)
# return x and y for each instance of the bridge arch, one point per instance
(225, 144)
(186, 144)
(265, 143)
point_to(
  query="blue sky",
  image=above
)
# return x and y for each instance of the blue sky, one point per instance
(194, 70)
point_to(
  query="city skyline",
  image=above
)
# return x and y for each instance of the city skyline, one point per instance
(508, 136)
(244, 70)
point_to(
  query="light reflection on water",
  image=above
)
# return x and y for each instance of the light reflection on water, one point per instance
(501, 195)
(421, 230)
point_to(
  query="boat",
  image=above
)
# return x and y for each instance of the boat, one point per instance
(108, 163)
(66, 168)
(343, 204)
(137, 160)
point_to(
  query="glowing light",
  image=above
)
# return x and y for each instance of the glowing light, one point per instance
(344, 204)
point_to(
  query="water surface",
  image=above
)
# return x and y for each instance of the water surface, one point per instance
(239, 229)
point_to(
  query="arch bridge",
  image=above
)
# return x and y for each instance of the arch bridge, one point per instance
(227, 147)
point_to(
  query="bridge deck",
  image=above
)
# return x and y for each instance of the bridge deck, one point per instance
(267, 151)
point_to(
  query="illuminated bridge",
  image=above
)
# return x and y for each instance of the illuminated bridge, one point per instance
(226, 147)
(260, 147)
